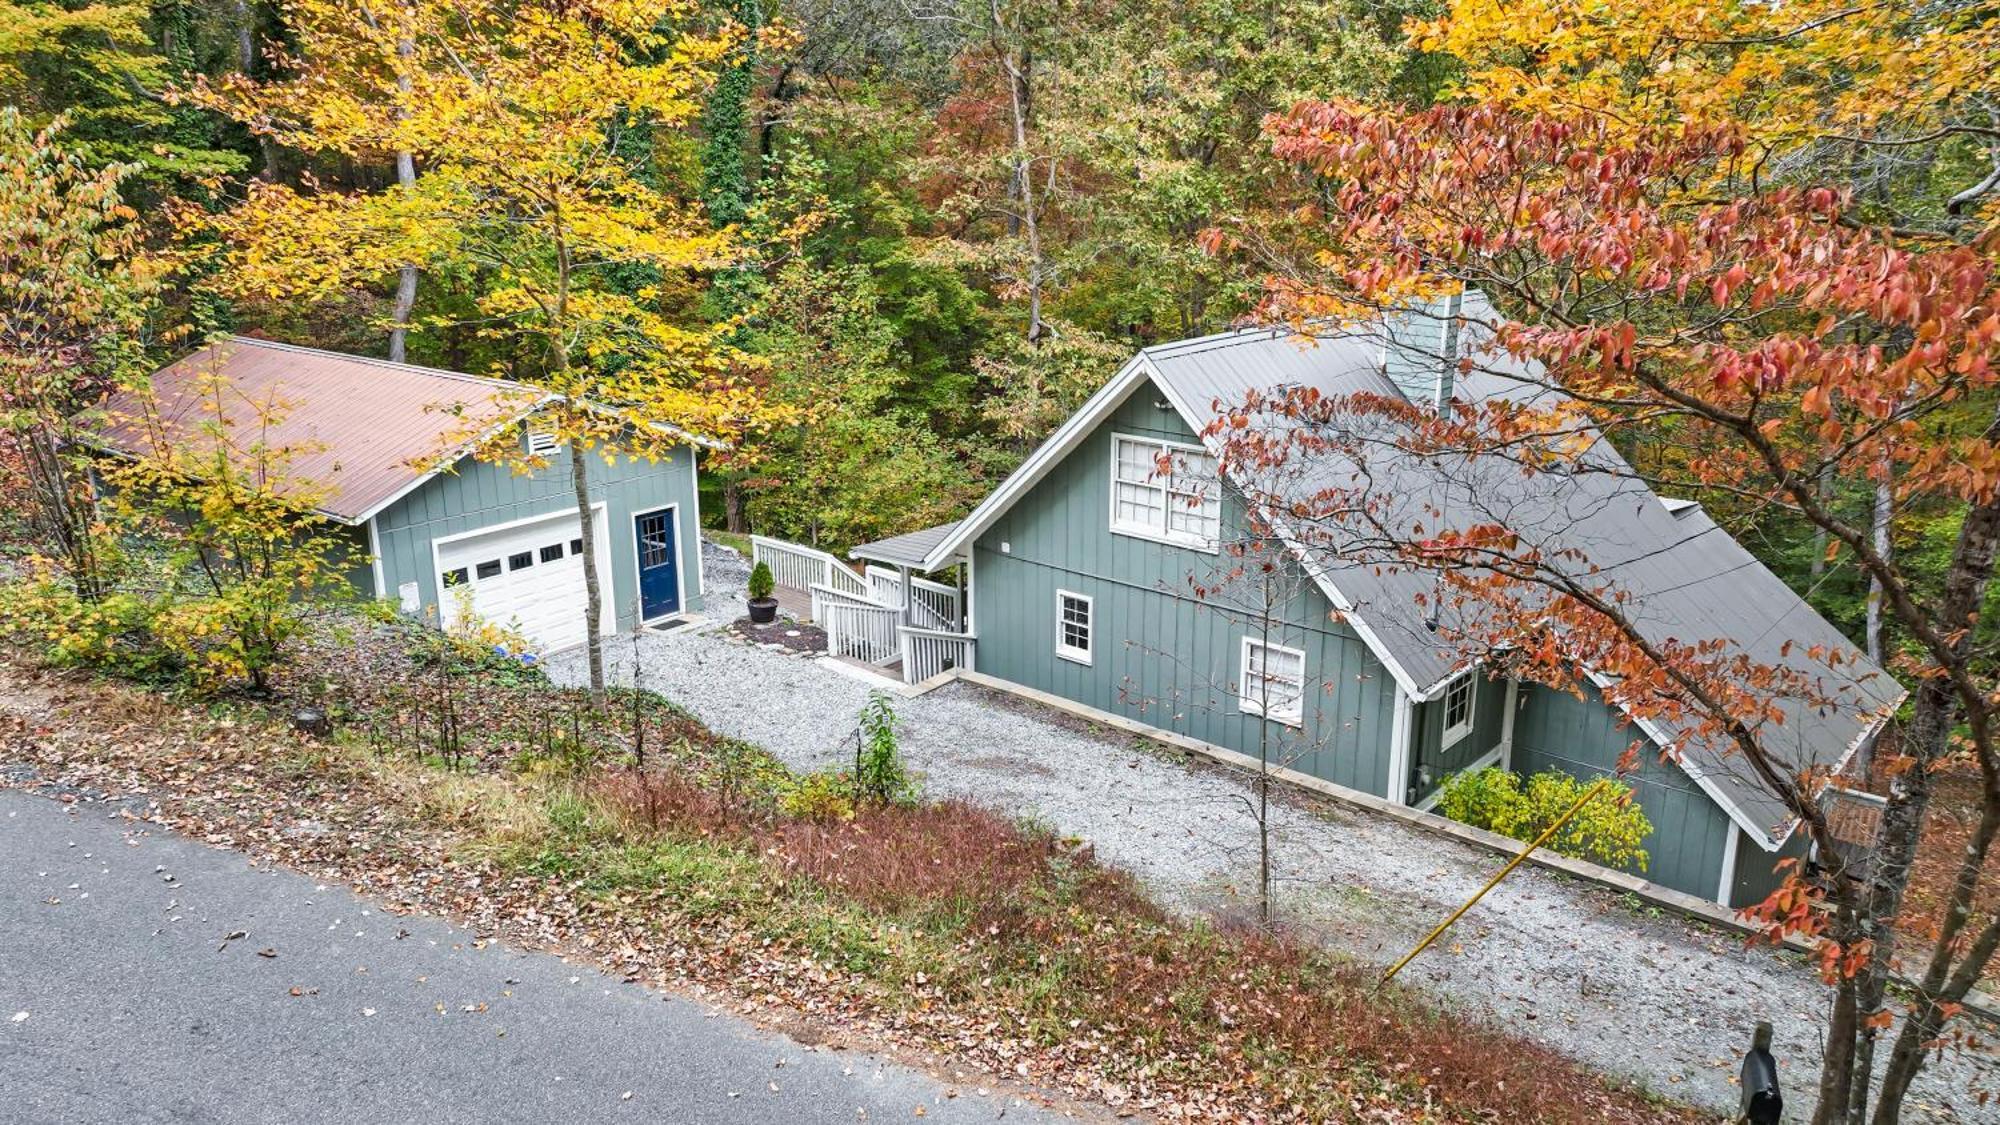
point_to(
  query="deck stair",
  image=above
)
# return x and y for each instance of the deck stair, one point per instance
(883, 617)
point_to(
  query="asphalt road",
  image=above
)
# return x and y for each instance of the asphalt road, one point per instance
(123, 998)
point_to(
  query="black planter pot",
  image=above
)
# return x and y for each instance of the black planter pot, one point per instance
(763, 611)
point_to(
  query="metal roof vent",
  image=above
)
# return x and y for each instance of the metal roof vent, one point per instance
(1420, 350)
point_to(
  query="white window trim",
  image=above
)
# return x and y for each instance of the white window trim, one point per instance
(1070, 652)
(1161, 535)
(1452, 735)
(1252, 702)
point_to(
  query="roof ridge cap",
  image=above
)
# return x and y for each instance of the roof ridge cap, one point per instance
(1217, 339)
(394, 365)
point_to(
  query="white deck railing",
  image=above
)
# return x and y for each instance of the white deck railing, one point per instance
(933, 606)
(929, 652)
(862, 630)
(801, 567)
(862, 613)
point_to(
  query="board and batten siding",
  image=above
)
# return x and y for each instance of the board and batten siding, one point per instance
(1757, 873)
(1432, 761)
(1585, 737)
(1162, 654)
(479, 494)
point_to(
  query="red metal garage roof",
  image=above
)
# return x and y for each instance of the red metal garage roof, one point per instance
(366, 430)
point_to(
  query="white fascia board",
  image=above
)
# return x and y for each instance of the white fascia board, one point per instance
(700, 561)
(667, 428)
(1743, 820)
(1072, 434)
(1727, 884)
(1353, 618)
(1045, 457)
(451, 457)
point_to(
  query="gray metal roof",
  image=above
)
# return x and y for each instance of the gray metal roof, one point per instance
(908, 549)
(1686, 579)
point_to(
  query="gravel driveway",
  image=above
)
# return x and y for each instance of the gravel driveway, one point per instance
(1629, 989)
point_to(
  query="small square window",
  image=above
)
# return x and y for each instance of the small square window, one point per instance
(521, 561)
(1073, 626)
(488, 569)
(1459, 696)
(457, 577)
(576, 546)
(552, 552)
(1273, 681)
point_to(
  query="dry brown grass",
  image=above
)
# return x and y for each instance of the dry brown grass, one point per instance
(1041, 933)
(946, 920)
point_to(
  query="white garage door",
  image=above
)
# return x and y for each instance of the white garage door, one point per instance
(526, 575)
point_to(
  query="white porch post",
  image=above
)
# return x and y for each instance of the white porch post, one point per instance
(1507, 722)
(970, 610)
(1727, 884)
(1399, 750)
(909, 591)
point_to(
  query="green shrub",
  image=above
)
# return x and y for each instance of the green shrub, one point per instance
(878, 759)
(821, 797)
(761, 582)
(114, 633)
(1490, 798)
(1609, 830)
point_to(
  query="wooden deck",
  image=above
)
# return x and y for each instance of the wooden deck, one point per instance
(795, 604)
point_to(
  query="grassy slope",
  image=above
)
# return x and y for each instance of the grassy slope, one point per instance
(938, 925)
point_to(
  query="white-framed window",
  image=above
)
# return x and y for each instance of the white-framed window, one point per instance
(1181, 503)
(1073, 626)
(1459, 696)
(1273, 681)
(541, 443)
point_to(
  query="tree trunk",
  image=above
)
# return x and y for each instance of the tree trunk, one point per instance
(593, 592)
(1019, 99)
(733, 515)
(62, 507)
(1941, 984)
(1923, 741)
(246, 64)
(406, 177)
(1884, 517)
(1837, 1068)
(1826, 487)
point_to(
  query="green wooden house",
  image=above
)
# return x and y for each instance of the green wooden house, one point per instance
(387, 449)
(1094, 575)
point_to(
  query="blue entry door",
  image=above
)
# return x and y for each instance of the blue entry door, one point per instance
(659, 564)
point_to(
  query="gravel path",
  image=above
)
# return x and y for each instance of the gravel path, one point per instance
(1629, 989)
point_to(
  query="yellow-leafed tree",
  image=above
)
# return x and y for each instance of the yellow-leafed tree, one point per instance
(509, 112)
(1898, 99)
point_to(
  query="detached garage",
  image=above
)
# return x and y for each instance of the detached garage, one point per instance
(529, 573)
(445, 532)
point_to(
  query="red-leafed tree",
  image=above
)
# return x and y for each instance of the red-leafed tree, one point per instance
(1773, 340)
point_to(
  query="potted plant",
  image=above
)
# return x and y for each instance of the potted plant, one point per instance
(763, 607)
